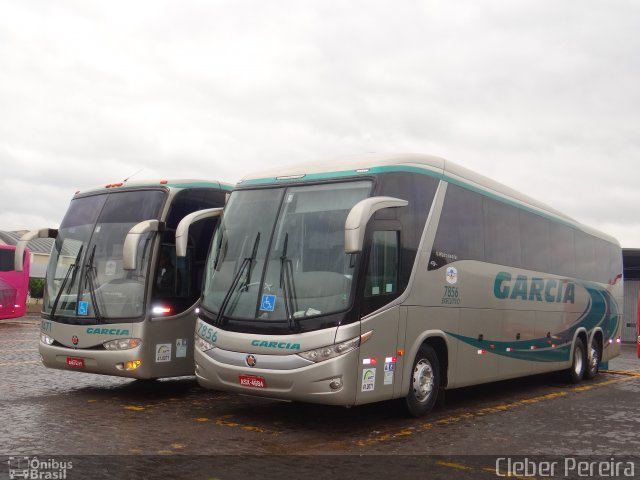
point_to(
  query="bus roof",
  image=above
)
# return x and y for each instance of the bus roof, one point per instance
(349, 166)
(171, 183)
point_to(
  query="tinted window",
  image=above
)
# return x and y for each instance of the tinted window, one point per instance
(118, 208)
(192, 200)
(419, 191)
(6, 260)
(382, 275)
(585, 254)
(562, 250)
(603, 262)
(502, 234)
(534, 237)
(460, 234)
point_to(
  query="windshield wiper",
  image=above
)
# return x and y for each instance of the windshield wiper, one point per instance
(73, 268)
(245, 265)
(288, 287)
(90, 270)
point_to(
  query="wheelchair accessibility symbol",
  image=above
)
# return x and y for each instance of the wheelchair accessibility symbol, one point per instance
(83, 308)
(268, 303)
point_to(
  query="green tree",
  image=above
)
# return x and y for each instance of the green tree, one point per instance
(36, 288)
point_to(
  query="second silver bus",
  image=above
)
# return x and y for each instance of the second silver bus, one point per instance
(118, 301)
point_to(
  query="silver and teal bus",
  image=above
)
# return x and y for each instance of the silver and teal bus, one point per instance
(387, 277)
(118, 300)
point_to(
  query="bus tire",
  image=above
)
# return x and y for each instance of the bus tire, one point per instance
(576, 373)
(424, 382)
(595, 357)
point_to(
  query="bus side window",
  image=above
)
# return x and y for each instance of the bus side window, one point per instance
(382, 274)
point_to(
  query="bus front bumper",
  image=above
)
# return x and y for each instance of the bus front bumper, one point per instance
(121, 363)
(332, 382)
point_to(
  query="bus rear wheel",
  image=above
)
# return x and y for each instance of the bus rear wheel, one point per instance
(425, 382)
(579, 363)
(595, 357)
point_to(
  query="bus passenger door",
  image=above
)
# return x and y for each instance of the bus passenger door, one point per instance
(377, 362)
(177, 285)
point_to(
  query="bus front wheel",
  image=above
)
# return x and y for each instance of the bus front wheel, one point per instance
(425, 382)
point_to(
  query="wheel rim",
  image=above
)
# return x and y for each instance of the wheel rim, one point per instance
(423, 380)
(577, 361)
(595, 356)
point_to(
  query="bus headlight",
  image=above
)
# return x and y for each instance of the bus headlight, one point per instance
(332, 351)
(202, 344)
(46, 339)
(122, 344)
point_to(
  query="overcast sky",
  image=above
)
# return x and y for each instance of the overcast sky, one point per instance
(541, 95)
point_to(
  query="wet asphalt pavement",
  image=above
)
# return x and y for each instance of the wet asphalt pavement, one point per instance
(121, 428)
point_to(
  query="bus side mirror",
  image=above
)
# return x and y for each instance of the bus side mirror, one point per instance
(356, 223)
(25, 239)
(182, 232)
(131, 241)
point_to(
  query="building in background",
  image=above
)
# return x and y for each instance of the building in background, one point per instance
(39, 248)
(631, 266)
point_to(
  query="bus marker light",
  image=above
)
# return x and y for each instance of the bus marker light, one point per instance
(533, 347)
(163, 182)
(291, 177)
(130, 365)
(160, 310)
(400, 353)
(369, 361)
(482, 351)
(492, 347)
(509, 349)
(390, 360)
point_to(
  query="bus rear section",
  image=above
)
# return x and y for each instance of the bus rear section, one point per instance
(14, 284)
(118, 300)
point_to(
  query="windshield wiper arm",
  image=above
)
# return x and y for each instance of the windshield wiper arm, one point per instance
(88, 278)
(72, 268)
(246, 264)
(288, 287)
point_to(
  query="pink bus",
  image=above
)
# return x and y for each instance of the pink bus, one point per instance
(13, 285)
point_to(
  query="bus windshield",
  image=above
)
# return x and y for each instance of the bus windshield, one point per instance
(85, 278)
(279, 253)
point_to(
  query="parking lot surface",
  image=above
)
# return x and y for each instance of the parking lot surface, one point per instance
(175, 429)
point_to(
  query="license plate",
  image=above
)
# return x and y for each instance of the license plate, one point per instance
(75, 362)
(252, 381)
